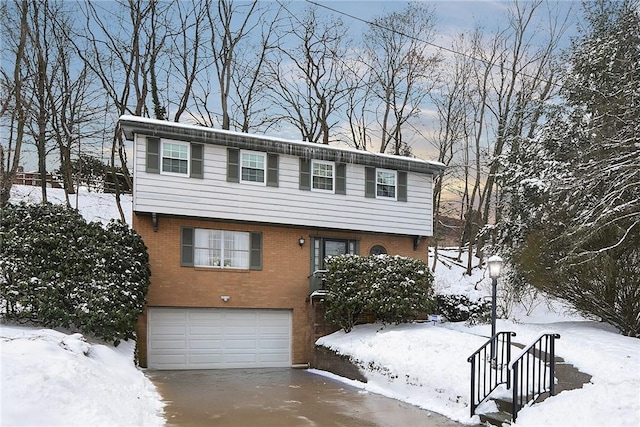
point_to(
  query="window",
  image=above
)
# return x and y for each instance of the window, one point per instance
(253, 166)
(385, 183)
(322, 175)
(221, 249)
(326, 247)
(377, 250)
(175, 157)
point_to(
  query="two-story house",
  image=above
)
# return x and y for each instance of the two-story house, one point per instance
(236, 225)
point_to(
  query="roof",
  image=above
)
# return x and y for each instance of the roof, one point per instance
(132, 125)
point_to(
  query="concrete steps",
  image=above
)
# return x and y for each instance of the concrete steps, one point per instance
(569, 378)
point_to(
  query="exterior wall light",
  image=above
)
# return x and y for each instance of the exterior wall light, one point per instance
(301, 241)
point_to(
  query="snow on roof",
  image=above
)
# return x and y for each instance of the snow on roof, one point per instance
(135, 124)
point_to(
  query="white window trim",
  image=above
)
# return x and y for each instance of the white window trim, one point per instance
(222, 251)
(333, 176)
(395, 174)
(261, 154)
(174, 142)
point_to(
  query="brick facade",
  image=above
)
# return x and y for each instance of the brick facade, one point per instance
(283, 282)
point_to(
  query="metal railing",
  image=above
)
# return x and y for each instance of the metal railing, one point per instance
(490, 367)
(315, 281)
(533, 372)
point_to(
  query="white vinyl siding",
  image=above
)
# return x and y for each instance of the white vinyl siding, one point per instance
(218, 338)
(286, 204)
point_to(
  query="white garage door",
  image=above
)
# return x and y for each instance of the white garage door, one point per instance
(218, 338)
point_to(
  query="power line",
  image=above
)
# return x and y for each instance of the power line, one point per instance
(437, 46)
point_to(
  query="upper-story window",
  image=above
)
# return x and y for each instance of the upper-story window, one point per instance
(175, 157)
(386, 183)
(253, 166)
(246, 166)
(322, 175)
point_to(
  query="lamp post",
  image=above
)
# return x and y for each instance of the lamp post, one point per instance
(494, 264)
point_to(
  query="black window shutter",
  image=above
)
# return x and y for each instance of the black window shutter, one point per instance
(305, 174)
(197, 161)
(402, 186)
(233, 165)
(186, 245)
(153, 155)
(341, 178)
(255, 257)
(272, 170)
(370, 182)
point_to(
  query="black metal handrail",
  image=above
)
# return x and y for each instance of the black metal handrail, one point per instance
(492, 361)
(533, 372)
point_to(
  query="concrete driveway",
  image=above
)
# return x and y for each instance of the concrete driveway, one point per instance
(279, 397)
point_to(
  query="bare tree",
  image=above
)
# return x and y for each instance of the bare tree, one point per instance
(308, 76)
(224, 43)
(120, 43)
(402, 68)
(249, 111)
(187, 59)
(452, 102)
(13, 112)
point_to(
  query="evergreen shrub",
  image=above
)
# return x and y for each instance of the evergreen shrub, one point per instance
(57, 270)
(395, 288)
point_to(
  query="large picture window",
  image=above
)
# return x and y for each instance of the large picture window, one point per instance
(175, 157)
(221, 248)
(253, 167)
(385, 183)
(322, 175)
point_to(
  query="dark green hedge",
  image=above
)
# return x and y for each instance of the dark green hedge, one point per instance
(57, 270)
(395, 288)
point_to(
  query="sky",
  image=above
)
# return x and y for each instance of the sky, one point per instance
(59, 379)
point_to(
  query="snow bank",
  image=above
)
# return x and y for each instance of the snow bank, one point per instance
(54, 379)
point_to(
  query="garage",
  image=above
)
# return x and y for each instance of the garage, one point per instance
(218, 338)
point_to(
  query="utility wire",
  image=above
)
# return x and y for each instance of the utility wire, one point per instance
(437, 46)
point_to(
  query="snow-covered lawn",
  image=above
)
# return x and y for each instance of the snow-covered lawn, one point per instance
(51, 378)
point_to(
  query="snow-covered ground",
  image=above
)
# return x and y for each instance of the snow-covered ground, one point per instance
(426, 364)
(50, 378)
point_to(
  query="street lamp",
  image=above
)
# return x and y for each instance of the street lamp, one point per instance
(494, 264)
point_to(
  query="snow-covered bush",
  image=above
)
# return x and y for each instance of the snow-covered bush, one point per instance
(57, 270)
(396, 289)
(459, 308)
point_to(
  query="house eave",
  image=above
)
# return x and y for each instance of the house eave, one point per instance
(132, 125)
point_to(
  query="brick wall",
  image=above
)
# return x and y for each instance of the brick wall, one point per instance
(281, 284)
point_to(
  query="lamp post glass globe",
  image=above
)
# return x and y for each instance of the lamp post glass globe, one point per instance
(494, 263)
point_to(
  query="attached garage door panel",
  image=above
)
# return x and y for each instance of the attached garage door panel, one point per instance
(210, 338)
